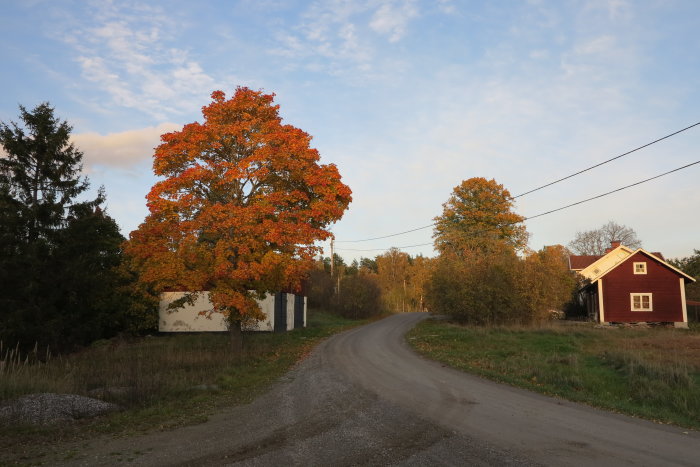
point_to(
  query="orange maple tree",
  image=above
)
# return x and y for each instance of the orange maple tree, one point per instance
(241, 204)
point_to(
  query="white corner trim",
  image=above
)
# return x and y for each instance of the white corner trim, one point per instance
(683, 304)
(601, 309)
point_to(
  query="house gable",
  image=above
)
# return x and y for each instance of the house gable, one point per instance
(655, 257)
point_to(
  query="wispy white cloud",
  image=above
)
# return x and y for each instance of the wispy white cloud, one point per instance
(615, 9)
(123, 49)
(447, 6)
(391, 19)
(344, 36)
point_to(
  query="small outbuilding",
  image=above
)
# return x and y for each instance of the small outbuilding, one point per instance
(631, 286)
(283, 312)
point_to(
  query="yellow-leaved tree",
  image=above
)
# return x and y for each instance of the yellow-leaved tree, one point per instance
(475, 278)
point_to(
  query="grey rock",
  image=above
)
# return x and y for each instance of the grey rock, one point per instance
(48, 408)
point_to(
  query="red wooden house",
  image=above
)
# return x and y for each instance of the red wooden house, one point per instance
(630, 286)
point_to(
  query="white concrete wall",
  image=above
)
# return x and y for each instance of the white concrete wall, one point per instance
(305, 305)
(268, 324)
(290, 311)
(190, 319)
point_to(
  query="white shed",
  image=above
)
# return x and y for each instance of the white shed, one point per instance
(283, 312)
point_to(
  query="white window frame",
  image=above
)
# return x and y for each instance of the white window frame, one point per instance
(640, 295)
(643, 270)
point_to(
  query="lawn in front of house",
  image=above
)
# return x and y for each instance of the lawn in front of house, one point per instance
(652, 373)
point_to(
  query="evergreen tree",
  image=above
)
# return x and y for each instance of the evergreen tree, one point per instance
(59, 257)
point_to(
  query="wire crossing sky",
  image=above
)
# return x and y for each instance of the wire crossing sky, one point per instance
(551, 211)
(545, 185)
(407, 97)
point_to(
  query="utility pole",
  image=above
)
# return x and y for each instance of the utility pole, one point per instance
(332, 256)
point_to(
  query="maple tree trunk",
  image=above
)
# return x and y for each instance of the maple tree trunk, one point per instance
(236, 335)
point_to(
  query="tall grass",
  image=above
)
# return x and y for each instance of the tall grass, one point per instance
(137, 373)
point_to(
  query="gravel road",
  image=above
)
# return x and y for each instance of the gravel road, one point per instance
(364, 398)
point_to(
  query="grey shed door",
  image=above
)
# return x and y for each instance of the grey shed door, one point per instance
(280, 312)
(298, 311)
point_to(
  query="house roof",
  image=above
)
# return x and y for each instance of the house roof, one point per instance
(578, 262)
(599, 267)
(605, 262)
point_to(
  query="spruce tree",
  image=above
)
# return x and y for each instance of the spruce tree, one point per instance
(59, 284)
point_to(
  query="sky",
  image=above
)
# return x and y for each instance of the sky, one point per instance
(407, 98)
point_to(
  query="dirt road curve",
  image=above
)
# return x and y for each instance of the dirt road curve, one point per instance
(364, 398)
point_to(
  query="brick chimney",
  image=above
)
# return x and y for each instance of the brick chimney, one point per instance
(614, 244)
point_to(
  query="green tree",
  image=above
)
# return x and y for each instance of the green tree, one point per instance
(546, 282)
(478, 288)
(393, 273)
(360, 297)
(57, 254)
(476, 278)
(691, 266)
(368, 266)
(478, 216)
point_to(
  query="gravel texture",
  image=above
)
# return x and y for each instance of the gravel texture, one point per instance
(48, 408)
(313, 417)
(364, 398)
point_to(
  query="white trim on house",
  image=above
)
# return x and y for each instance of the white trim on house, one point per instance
(639, 267)
(601, 308)
(641, 297)
(683, 302)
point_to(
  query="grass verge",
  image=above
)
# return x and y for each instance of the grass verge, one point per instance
(649, 373)
(160, 382)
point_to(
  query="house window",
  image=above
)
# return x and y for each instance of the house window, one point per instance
(641, 302)
(640, 268)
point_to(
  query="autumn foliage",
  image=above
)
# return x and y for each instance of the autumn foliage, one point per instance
(485, 274)
(241, 204)
(479, 216)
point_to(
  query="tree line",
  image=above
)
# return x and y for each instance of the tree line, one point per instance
(484, 272)
(241, 205)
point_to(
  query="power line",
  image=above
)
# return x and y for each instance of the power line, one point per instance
(550, 211)
(605, 162)
(613, 191)
(386, 236)
(534, 189)
(384, 249)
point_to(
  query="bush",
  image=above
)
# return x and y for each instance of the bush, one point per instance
(360, 297)
(319, 289)
(498, 287)
(476, 290)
